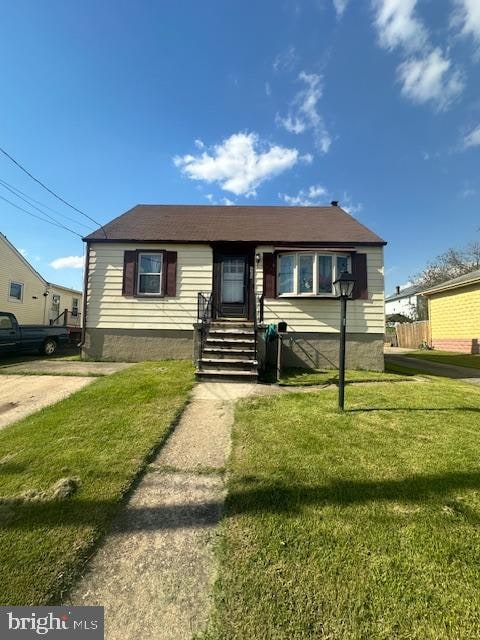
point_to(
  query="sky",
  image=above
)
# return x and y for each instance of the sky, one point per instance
(374, 103)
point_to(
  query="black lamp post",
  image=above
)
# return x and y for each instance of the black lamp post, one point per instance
(343, 290)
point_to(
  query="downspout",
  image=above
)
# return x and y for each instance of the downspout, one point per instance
(85, 289)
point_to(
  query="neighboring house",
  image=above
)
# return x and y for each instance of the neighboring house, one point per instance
(454, 311)
(156, 270)
(30, 297)
(408, 302)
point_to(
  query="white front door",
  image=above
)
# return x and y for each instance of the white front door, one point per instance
(233, 280)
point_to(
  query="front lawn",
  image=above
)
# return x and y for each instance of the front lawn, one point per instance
(360, 526)
(292, 377)
(95, 443)
(448, 357)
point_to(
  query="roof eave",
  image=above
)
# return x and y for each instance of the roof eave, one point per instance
(457, 285)
(333, 243)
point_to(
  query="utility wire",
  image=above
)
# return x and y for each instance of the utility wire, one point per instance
(49, 190)
(34, 215)
(12, 190)
(16, 191)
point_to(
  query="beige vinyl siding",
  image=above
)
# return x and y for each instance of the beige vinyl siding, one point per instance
(108, 308)
(12, 268)
(317, 315)
(66, 300)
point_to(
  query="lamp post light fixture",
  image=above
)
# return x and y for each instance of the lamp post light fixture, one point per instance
(343, 289)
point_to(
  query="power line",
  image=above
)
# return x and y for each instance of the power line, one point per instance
(34, 215)
(48, 189)
(13, 190)
(16, 191)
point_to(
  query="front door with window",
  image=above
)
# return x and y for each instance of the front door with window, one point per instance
(55, 309)
(233, 290)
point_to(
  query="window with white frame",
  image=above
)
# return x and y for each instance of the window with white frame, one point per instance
(149, 274)
(310, 273)
(74, 306)
(15, 293)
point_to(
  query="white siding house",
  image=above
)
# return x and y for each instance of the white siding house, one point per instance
(164, 280)
(24, 292)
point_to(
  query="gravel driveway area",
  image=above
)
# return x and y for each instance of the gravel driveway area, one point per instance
(22, 395)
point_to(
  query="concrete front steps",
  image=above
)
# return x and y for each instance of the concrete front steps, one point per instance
(229, 353)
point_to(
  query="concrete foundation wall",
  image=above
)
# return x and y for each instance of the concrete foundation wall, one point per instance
(321, 351)
(137, 345)
(302, 350)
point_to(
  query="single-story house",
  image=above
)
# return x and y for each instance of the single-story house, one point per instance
(163, 280)
(408, 302)
(30, 297)
(454, 312)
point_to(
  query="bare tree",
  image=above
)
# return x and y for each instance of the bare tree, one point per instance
(450, 264)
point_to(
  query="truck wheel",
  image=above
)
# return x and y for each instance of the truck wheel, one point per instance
(49, 347)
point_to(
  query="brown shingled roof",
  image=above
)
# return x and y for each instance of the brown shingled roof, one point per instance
(261, 224)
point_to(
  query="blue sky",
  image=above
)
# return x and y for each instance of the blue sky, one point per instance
(375, 103)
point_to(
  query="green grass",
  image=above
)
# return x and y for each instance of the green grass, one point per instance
(104, 435)
(356, 526)
(307, 377)
(448, 357)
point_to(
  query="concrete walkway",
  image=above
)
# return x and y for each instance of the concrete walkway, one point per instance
(155, 571)
(464, 374)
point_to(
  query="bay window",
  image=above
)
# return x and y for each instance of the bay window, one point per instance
(310, 273)
(286, 273)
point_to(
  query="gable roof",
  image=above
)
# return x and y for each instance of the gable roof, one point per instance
(412, 290)
(461, 281)
(261, 224)
(22, 258)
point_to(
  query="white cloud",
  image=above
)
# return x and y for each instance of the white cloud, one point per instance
(225, 201)
(467, 17)
(23, 252)
(69, 262)
(304, 115)
(349, 206)
(199, 144)
(398, 26)
(426, 73)
(468, 193)
(472, 139)
(268, 89)
(286, 60)
(305, 197)
(340, 6)
(430, 78)
(239, 164)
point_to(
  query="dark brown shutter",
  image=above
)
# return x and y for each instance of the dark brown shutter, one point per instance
(129, 270)
(359, 272)
(269, 275)
(171, 273)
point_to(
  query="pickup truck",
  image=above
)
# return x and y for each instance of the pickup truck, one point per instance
(29, 337)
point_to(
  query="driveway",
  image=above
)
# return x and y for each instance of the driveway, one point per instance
(464, 374)
(22, 392)
(64, 367)
(22, 395)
